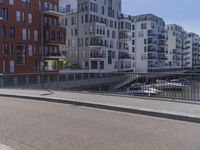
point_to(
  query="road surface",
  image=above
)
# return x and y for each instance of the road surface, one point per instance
(35, 125)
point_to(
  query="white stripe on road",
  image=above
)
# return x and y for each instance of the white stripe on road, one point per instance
(4, 147)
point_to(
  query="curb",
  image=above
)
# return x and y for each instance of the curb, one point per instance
(138, 111)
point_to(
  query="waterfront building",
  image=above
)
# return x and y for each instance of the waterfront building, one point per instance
(97, 36)
(148, 44)
(30, 36)
(124, 56)
(191, 55)
(175, 36)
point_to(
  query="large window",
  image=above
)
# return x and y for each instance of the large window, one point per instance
(18, 16)
(30, 18)
(12, 66)
(11, 2)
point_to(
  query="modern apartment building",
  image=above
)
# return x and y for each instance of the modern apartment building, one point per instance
(125, 23)
(29, 35)
(191, 54)
(53, 34)
(175, 36)
(93, 35)
(148, 45)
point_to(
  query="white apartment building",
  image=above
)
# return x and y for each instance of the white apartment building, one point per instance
(125, 58)
(148, 45)
(191, 55)
(100, 38)
(175, 36)
(93, 34)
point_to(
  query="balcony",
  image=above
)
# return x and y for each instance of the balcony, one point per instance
(151, 56)
(187, 58)
(54, 35)
(152, 41)
(186, 52)
(54, 55)
(162, 57)
(176, 58)
(161, 37)
(124, 16)
(124, 38)
(161, 50)
(152, 33)
(152, 49)
(57, 12)
(97, 55)
(176, 52)
(99, 29)
(124, 55)
(96, 45)
(125, 23)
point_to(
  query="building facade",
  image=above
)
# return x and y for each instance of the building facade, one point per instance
(93, 35)
(148, 45)
(191, 54)
(175, 36)
(23, 35)
(125, 57)
(53, 34)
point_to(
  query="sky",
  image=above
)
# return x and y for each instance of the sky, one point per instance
(185, 13)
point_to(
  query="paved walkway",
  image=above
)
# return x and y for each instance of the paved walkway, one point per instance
(162, 108)
(4, 147)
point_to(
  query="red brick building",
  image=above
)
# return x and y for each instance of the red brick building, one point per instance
(22, 46)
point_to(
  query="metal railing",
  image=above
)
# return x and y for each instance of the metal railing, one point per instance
(174, 86)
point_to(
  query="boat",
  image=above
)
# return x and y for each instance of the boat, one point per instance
(142, 89)
(168, 85)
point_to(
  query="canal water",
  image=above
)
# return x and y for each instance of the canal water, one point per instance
(190, 92)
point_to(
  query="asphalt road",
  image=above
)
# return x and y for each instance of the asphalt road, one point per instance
(34, 125)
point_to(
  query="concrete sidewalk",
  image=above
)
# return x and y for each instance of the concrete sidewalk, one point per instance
(157, 108)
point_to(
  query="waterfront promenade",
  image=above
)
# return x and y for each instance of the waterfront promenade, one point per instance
(165, 108)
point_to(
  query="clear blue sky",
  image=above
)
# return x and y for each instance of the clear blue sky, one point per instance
(182, 12)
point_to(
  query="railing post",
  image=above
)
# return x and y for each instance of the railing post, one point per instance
(1, 82)
(27, 80)
(15, 81)
(57, 78)
(39, 80)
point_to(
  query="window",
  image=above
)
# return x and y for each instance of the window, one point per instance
(12, 66)
(11, 2)
(35, 35)
(30, 50)
(30, 19)
(5, 49)
(11, 49)
(12, 32)
(5, 14)
(4, 67)
(24, 34)
(18, 16)
(20, 54)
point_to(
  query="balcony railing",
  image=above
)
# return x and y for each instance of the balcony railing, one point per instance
(97, 44)
(54, 11)
(53, 54)
(152, 41)
(58, 24)
(152, 33)
(177, 52)
(98, 55)
(124, 16)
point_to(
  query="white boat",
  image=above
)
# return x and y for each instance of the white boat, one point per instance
(168, 85)
(141, 89)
